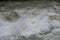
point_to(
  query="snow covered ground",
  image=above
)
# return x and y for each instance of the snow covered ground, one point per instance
(36, 21)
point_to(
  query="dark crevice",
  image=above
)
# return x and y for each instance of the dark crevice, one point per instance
(47, 32)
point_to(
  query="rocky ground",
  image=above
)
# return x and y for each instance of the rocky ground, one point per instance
(30, 20)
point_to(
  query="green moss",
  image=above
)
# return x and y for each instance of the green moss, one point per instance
(2, 4)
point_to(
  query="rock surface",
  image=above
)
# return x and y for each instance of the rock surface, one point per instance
(35, 21)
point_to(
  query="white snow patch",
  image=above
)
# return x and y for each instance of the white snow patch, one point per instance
(26, 25)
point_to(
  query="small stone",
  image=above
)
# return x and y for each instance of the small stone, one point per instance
(55, 17)
(12, 16)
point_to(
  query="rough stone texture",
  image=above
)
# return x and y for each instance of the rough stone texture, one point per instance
(11, 16)
(35, 21)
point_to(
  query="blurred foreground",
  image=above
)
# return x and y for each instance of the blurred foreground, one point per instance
(32, 20)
